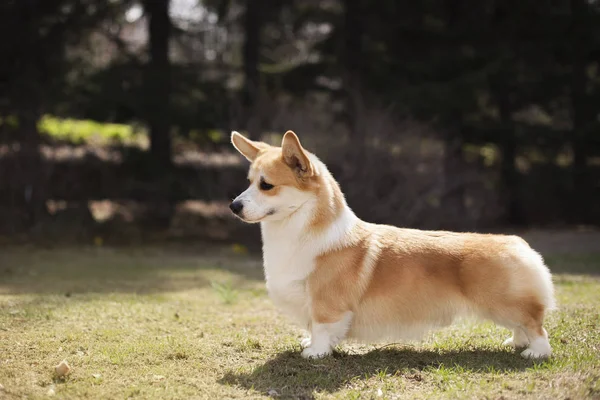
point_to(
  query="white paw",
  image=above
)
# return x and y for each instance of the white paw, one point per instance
(311, 352)
(304, 343)
(515, 344)
(533, 354)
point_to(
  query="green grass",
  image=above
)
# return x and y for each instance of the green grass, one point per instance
(165, 323)
(83, 131)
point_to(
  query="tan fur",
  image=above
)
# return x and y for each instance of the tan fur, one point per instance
(420, 276)
(280, 171)
(392, 280)
(248, 148)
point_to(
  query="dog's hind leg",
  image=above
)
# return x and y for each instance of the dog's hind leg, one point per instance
(525, 318)
(530, 319)
(539, 346)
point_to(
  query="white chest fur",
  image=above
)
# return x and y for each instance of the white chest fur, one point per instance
(289, 254)
(288, 262)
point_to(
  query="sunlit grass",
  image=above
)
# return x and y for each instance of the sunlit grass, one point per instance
(81, 131)
(158, 324)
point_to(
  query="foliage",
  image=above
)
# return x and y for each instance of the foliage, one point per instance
(81, 131)
(518, 76)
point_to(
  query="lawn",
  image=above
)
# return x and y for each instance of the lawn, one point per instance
(162, 323)
(81, 131)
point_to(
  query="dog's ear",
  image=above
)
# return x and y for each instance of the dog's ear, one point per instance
(248, 148)
(295, 156)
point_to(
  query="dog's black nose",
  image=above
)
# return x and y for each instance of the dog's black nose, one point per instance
(236, 207)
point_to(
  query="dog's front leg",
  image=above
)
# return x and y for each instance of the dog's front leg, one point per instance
(325, 336)
(305, 342)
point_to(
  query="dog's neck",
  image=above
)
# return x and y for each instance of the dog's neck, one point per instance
(325, 218)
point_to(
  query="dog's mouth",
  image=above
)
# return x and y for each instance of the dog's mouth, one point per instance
(249, 221)
(272, 211)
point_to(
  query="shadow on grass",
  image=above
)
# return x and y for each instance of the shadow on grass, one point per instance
(102, 270)
(292, 376)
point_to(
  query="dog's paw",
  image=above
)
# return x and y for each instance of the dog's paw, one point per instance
(534, 355)
(304, 343)
(311, 352)
(515, 344)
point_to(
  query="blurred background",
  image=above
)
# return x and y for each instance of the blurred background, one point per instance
(455, 114)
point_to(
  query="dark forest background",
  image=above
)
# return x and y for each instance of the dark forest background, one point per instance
(469, 115)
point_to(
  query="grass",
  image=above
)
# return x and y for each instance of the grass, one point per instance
(166, 323)
(83, 131)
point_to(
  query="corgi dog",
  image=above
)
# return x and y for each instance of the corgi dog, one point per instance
(343, 278)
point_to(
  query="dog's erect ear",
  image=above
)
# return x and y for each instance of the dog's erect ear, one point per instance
(295, 156)
(246, 147)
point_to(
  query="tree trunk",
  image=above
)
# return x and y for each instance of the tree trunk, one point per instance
(580, 113)
(31, 196)
(28, 197)
(158, 94)
(509, 177)
(252, 24)
(351, 54)
(454, 194)
(453, 198)
(158, 82)
(579, 187)
(508, 147)
(353, 36)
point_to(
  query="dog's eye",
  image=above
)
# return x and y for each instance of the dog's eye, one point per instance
(265, 186)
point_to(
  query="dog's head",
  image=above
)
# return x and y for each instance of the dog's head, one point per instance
(281, 179)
